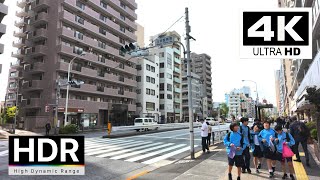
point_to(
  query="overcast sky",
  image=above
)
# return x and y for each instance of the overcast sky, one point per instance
(214, 25)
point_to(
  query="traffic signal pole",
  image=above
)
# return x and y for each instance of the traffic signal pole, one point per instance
(188, 37)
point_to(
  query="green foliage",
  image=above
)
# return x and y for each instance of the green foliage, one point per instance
(224, 109)
(314, 134)
(313, 96)
(11, 111)
(69, 129)
(311, 125)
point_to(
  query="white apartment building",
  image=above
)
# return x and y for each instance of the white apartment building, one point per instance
(240, 103)
(148, 87)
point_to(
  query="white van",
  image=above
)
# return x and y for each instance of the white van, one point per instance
(212, 121)
(146, 124)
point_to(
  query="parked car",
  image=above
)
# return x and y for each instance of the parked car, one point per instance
(212, 121)
(228, 121)
(251, 120)
(146, 124)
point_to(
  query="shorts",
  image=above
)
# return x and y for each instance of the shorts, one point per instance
(282, 159)
(237, 160)
(257, 152)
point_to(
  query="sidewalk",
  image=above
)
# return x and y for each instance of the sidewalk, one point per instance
(215, 167)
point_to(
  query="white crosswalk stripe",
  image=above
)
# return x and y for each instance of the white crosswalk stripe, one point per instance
(4, 153)
(146, 152)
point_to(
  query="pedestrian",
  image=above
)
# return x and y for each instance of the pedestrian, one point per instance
(234, 140)
(244, 130)
(204, 136)
(281, 139)
(267, 136)
(300, 133)
(48, 128)
(257, 148)
(258, 123)
(209, 134)
(287, 123)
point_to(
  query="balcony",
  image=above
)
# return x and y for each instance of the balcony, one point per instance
(177, 51)
(127, 11)
(19, 43)
(19, 34)
(15, 65)
(38, 19)
(34, 85)
(20, 23)
(176, 110)
(22, 3)
(37, 67)
(176, 60)
(39, 34)
(18, 54)
(33, 103)
(22, 13)
(177, 70)
(39, 50)
(177, 80)
(177, 100)
(39, 4)
(177, 90)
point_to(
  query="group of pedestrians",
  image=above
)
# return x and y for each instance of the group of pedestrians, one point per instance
(264, 142)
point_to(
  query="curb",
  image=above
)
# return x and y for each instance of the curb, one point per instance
(141, 133)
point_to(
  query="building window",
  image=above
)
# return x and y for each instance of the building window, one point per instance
(153, 92)
(78, 35)
(148, 79)
(103, 4)
(169, 60)
(161, 75)
(138, 91)
(161, 96)
(80, 5)
(169, 96)
(161, 65)
(103, 18)
(122, 17)
(153, 69)
(161, 86)
(161, 54)
(79, 19)
(169, 76)
(102, 44)
(138, 67)
(122, 41)
(102, 31)
(12, 74)
(122, 29)
(150, 106)
(138, 78)
(153, 80)
(148, 91)
(148, 67)
(161, 106)
(123, 5)
(169, 87)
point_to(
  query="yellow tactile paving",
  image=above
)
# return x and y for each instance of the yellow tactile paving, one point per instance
(300, 172)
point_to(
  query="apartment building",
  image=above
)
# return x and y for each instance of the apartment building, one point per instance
(51, 34)
(148, 87)
(240, 102)
(277, 88)
(169, 75)
(3, 13)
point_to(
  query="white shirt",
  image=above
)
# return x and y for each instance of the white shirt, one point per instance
(204, 130)
(256, 140)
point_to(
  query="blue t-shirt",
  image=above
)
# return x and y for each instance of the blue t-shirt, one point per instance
(266, 134)
(235, 138)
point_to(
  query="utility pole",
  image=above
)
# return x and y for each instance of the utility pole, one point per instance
(57, 107)
(188, 37)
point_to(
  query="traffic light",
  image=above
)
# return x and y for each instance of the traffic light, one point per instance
(128, 48)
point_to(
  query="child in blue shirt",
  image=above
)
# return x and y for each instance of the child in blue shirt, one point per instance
(235, 139)
(267, 135)
(256, 147)
(284, 137)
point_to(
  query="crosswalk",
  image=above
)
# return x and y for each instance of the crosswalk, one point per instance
(146, 152)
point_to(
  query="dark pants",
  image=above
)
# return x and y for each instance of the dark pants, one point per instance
(246, 157)
(305, 149)
(212, 138)
(47, 131)
(209, 139)
(204, 144)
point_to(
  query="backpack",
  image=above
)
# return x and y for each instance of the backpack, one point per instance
(287, 137)
(241, 140)
(249, 136)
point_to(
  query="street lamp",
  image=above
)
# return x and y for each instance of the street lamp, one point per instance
(257, 99)
(67, 96)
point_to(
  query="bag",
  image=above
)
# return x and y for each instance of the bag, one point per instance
(271, 145)
(232, 152)
(286, 151)
(303, 130)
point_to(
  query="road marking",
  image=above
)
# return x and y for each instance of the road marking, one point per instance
(138, 175)
(127, 150)
(141, 151)
(107, 146)
(107, 140)
(154, 153)
(109, 143)
(165, 156)
(299, 170)
(117, 148)
(4, 153)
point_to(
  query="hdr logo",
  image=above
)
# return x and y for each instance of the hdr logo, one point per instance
(276, 34)
(46, 155)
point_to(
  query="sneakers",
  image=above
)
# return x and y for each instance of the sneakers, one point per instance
(238, 178)
(243, 170)
(271, 175)
(259, 166)
(284, 176)
(292, 177)
(230, 176)
(249, 170)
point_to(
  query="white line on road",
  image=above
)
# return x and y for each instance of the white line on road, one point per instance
(165, 156)
(141, 151)
(117, 148)
(154, 153)
(90, 146)
(107, 146)
(127, 150)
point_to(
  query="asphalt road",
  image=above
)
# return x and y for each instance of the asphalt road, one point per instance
(123, 157)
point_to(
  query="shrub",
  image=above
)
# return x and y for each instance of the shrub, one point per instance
(311, 125)
(69, 129)
(314, 134)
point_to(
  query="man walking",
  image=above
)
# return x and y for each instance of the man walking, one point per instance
(245, 131)
(204, 136)
(300, 133)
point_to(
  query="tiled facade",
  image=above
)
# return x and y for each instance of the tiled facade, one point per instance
(51, 34)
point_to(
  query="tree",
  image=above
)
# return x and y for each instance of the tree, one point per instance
(224, 109)
(313, 96)
(10, 114)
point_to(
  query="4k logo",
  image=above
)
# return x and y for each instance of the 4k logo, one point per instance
(280, 33)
